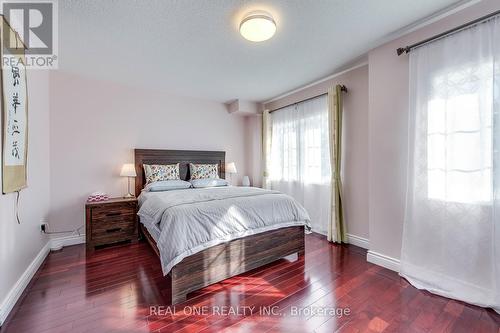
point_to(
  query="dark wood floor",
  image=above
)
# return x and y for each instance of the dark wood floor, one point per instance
(113, 289)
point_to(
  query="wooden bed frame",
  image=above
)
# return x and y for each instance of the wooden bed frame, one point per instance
(221, 261)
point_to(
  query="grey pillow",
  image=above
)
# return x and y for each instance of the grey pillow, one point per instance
(198, 183)
(167, 185)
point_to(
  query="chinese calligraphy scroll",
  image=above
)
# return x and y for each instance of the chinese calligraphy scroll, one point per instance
(14, 119)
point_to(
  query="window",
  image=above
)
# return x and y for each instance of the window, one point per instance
(300, 144)
(299, 157)
(450, 239)
(459, 136)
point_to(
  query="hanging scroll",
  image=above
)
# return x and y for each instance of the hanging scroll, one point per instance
(14, 115)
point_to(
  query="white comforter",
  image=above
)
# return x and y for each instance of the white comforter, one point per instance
(191, 220)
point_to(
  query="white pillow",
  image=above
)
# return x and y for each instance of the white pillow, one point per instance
(199, 183)
(167, 185)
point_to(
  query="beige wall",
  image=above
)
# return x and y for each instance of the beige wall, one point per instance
(355, 136)
(388, 118)
(21, 243)
(253, 148)
(96, 125)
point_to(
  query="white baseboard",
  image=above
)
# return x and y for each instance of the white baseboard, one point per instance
(52, 244)
(353, 239)
(383, 260)
(21, 284)
(60, 242)
(358, 241)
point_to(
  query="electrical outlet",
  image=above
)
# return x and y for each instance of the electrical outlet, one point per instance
(44, 226)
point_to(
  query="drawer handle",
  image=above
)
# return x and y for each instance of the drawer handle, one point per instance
(113, 230)
(114, 214)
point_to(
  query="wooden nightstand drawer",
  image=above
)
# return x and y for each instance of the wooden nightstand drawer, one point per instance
(112, 235)
(110, 222)
(114, 211)
(111, 225)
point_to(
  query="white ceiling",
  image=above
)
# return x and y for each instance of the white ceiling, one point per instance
(193, 47)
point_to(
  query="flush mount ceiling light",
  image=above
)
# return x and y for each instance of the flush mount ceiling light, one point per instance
(257, 26)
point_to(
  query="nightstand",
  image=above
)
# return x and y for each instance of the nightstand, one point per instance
(111, 221)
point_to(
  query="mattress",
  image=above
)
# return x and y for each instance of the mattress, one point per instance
(184, 222)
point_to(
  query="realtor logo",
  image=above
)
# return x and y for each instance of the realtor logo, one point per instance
(36, 26)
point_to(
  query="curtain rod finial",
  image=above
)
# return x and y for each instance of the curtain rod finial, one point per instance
(402, 50)
(343, 88)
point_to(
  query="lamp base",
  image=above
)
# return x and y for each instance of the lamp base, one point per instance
(129, 195)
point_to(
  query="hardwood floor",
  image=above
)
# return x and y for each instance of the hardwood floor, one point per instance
(122, 289)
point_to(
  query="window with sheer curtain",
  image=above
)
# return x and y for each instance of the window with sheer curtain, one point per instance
(459, 135)
(300, 157)
(452, 229)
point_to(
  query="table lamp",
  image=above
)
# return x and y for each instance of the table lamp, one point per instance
(231, 169)
(128, 170)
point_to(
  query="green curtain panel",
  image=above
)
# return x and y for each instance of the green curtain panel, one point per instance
(336, 230)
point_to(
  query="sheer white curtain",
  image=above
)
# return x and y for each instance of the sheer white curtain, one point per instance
(300, 157)
(451, 241)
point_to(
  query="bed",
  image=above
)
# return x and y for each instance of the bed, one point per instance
(204, 236)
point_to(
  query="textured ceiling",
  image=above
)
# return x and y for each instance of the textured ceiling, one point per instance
(193, 47)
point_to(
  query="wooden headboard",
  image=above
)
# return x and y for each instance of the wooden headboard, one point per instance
(183, 157)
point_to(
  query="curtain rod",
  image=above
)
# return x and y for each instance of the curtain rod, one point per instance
(482, 19)
(342, 88)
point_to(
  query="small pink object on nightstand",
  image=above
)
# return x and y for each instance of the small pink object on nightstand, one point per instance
(97, 196)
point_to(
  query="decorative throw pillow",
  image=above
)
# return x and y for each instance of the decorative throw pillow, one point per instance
(157, 172)
(204, 171)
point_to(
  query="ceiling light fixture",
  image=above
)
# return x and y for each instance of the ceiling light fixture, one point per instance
(257, 26)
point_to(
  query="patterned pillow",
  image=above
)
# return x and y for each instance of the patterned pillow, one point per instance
(204, 171)
(157, 172)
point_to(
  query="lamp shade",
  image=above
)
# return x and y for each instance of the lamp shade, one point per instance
(128, 170)
(231, 167)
